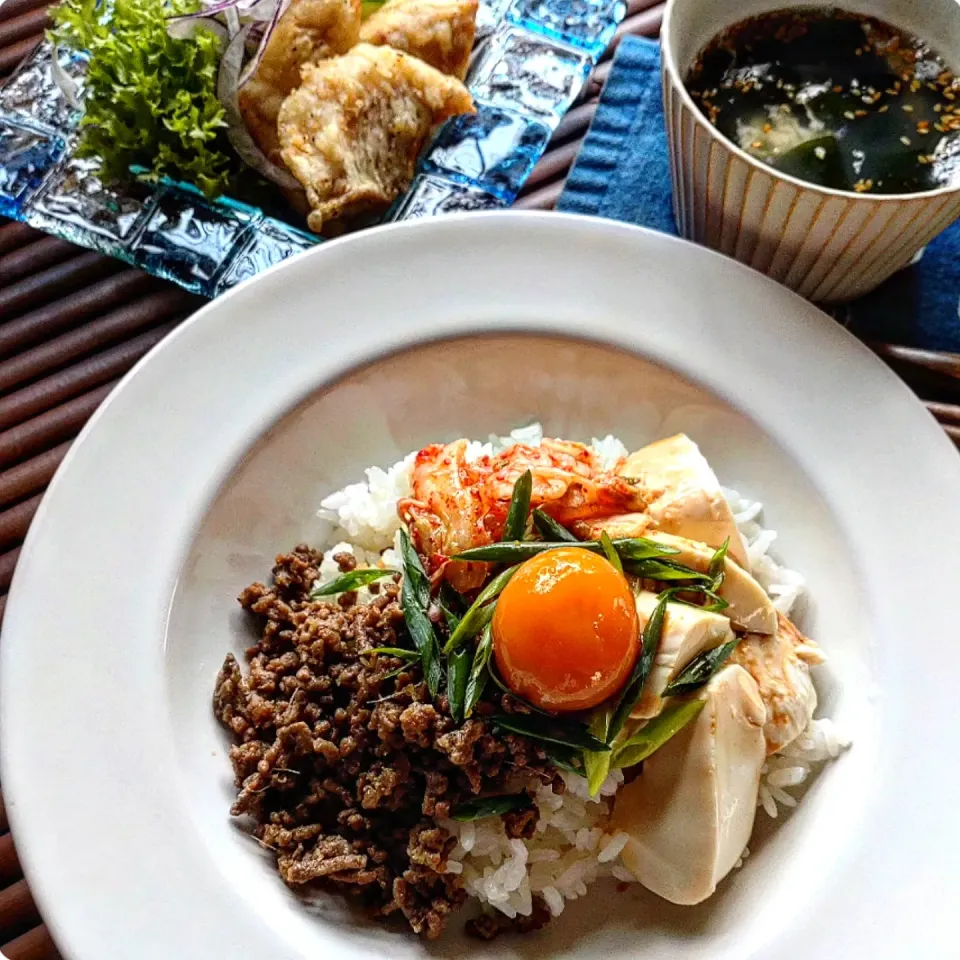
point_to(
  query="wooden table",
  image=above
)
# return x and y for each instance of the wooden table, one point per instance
(73, 322)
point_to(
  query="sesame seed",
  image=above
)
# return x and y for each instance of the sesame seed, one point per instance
(907, 108)
(905, 141)
(848, 114)
(820, 153)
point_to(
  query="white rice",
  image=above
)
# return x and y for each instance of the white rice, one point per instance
(570, 850)
(573, 845)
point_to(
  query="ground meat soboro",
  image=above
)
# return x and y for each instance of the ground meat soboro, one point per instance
(341, 760)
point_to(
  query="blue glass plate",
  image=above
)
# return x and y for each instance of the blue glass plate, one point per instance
(531, 61)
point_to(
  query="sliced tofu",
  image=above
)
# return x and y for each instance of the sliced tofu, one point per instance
(690, 813)
(750, 608)
(780, 665)
(686, 495)
(687, 632)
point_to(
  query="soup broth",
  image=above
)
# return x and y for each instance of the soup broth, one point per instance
(835, 98)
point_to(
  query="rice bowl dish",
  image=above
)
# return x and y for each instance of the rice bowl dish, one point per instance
(548, 810)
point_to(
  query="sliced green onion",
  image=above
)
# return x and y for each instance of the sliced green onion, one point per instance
(516, 525)
(549, 529)
(477, 681)
(400, 652)
(654, 734)
(610, 551)
(414, 599)
(640, 548)
(566, 733)
(352, 580)
(665, 571)
(490, 807)
(480, 612)
(565, 758)
(416, 583)
(717, 603)
(716, 569)
(596, 764)
(458, 673)
(699, 670)
(516, 551)
(650, 641)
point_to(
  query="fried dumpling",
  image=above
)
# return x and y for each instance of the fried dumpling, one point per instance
(352, 132)
(439, 32)
(309, 31)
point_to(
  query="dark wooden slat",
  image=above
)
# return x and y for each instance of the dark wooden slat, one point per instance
(25, 25)
(15, 235)
(13, 8)
(543, 199)
(945, 412)
(947, 364)
(55, 282)
(51, 428)
(575, 122)
(8, 563)
(635, 6)
(643, 24)
(36, 944)
(10, 870)
(14, 524)
(31, 475)
(35, 257)
(12, 55)
(17, 908)
(53, 318)
(554, 164)
(78, 378)
(122, 322)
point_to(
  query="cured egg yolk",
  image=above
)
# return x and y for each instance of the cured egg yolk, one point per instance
(565, 630)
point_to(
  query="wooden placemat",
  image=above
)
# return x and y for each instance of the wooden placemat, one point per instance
(73, 322)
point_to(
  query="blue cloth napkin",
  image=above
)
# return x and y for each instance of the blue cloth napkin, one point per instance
(622, 172)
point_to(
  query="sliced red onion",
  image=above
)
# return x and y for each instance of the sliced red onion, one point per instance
(184, 28)
(209, 9)
(68, 86)
(251, 68)
(227, 89)
(264, 11)
(232, 19)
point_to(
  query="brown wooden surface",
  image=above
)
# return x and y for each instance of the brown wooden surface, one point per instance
(73, 322)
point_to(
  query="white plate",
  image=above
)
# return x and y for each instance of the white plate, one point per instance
(212, 456)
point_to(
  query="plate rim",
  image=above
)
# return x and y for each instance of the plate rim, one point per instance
(16, 641)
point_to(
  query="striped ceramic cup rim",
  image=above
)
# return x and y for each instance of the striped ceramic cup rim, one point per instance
(749, 8)
(827, 244)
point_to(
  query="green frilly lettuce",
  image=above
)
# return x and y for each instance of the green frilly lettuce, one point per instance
(150, 99)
